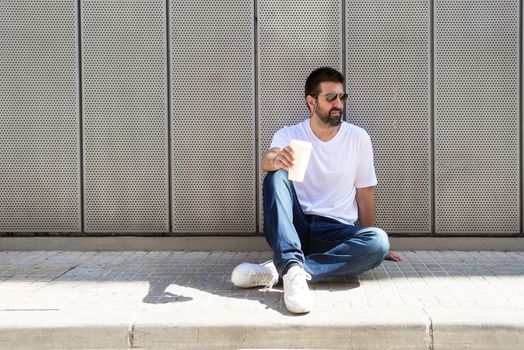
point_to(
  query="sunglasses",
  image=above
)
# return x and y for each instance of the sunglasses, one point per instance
(333, 96)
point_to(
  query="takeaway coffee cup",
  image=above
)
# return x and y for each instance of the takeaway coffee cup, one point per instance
(301, 153)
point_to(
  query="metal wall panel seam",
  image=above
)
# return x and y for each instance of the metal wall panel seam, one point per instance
(80, 115)
(432, 117)
(520, 129)
(256, 121)
(169, 131)
(343, 38)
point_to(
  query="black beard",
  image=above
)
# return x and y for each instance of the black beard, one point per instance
(328, 120)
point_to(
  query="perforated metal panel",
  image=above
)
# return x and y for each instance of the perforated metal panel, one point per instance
(477, 116)
(388, 82)
(124, 80)
(212, 109)
(294, 38)
(39, 119)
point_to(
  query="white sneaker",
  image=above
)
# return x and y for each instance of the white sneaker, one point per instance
(297, 296)
(249, 275)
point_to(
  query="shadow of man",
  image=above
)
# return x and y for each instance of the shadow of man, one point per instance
(215, 281)
(157, 293)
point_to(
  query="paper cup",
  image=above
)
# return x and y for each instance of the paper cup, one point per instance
(301, 153)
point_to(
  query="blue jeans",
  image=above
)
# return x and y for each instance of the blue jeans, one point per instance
(324, 247)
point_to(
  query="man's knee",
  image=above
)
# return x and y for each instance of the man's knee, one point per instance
(273, 177)
(380, 242)
(275, 180)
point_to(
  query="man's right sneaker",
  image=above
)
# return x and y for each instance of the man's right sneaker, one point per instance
(249, 275)
(297, 297)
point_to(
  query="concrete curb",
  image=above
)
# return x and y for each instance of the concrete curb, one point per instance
(63, 330)
(477, 328)
(325, 329)
(236, 329)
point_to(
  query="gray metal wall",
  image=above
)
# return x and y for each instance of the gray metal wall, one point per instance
(39, 117)
(388, 81)
(212, 116)
(124, 115)
(150, 117)
(477, 121)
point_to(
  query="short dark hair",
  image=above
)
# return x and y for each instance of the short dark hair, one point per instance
(321, 75)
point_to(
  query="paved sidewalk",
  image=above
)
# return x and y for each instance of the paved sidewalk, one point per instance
(184, 300)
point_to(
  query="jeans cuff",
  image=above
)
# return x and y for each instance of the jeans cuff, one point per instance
(289, 262)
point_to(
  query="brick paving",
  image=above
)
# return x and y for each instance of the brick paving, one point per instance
(169, 281)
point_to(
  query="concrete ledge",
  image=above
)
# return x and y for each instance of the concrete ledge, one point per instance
(238, 243)
(458, 243)
(132, 243)
(224, 329)
(264, 329)
(267, 329)
(477, 329)
(59, 330)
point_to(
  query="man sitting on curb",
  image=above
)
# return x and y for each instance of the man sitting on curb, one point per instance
(310, 224)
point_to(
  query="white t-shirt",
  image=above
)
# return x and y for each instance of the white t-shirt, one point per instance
(335, 170)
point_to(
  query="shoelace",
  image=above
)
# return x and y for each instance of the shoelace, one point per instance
(270, 284)
(261, 277)
(298, 283)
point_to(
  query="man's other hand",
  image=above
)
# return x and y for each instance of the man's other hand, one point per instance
(393, 257)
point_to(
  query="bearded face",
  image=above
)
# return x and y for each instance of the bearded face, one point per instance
(331, 116)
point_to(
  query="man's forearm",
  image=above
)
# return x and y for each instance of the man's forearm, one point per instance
(366, 206)
(367, 216)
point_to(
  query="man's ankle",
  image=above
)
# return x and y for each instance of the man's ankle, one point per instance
(290, 265)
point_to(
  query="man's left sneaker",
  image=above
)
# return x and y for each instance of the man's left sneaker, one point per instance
(297, 296)
(249, 275)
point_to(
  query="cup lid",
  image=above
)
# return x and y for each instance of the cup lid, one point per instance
(301, 143)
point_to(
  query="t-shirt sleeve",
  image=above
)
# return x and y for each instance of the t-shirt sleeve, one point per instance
(366, 170)
(280, 139)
